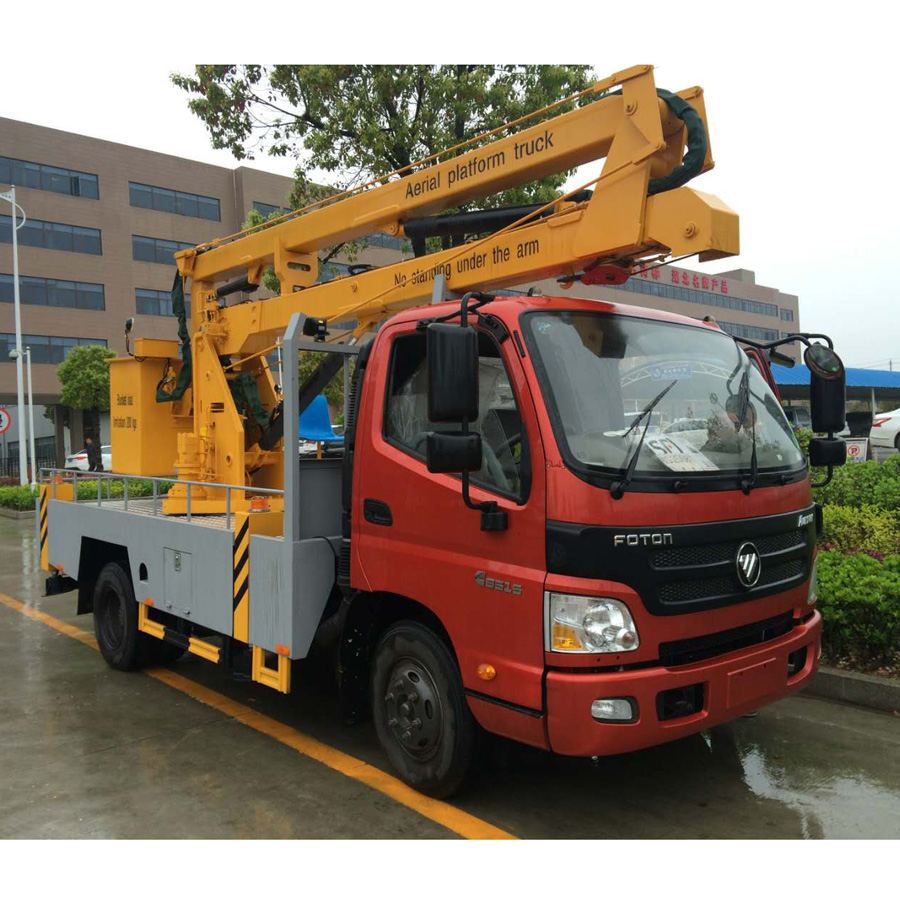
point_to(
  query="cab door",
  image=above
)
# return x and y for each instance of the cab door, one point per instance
(413, 536)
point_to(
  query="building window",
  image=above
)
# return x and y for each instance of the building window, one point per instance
(45, 349)
(180, 203)
(149, 302)
(53, 236)
(267, 209)
(53, 292)
(749, 331)
(388, 241)
(787, 315)
(155, 250)
(690, 295)
(48, 178)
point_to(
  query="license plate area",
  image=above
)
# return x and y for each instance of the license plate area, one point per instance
(754, 682)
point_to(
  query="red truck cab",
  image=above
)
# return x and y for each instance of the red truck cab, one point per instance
(653, 575)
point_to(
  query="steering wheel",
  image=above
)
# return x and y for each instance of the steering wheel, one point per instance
(495, 470)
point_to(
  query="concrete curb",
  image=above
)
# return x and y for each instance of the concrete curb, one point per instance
(873, 691)
(16, 513)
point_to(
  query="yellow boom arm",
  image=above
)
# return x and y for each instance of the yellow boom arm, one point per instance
(634, 130)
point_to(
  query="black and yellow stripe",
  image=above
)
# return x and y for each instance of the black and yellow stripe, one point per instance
(241, 578)
(171, 636)
(43, 497)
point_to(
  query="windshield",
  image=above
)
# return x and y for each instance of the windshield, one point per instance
(600, 372)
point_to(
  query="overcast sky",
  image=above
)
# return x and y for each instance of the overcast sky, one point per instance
(801, 101)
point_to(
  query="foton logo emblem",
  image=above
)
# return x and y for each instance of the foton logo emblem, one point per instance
(804, 520)
(482, 579)
(654, 539)
(748, 564)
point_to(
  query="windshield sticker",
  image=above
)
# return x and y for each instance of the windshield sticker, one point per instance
(671, 371)
(680, 456)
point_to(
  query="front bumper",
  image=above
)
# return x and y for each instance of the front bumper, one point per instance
(732, 685)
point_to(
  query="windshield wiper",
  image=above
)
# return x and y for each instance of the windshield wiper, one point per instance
(747, 484)
(617, 488)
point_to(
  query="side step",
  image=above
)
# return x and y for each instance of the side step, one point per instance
(277, 678)
(170, 636)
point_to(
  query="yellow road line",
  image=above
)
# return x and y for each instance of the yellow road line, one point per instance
(462, 823)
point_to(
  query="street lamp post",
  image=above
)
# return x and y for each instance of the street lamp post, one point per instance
(10, 195)
(34, 472)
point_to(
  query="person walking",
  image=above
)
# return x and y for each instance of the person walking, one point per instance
(94, 455)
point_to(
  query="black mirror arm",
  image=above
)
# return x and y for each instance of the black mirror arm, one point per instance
(492, 517)
(828, 477)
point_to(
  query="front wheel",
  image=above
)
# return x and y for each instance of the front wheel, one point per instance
(420, 710)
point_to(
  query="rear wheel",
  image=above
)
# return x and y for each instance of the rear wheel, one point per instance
(116, 619)
(420, 710)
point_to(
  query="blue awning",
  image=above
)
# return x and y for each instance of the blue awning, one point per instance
(860, 382)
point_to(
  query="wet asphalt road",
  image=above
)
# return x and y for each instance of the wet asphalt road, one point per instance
(86, 751)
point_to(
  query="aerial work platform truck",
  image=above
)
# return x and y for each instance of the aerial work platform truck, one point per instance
(582, 525)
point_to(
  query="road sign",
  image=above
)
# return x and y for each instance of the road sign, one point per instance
(5, 420)
(856, 449)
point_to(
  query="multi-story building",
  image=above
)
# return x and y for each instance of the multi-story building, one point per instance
(104, 219)
(742, 307)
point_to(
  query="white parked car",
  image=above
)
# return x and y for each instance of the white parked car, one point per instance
(79, 460)
(886, 430)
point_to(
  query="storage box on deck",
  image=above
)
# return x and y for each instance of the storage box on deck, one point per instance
(144, 433)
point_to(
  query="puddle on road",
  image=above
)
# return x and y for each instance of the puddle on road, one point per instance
(843, 781)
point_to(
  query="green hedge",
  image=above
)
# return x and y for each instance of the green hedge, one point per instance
(859, 598)
(867, 528)
(864, 484)
(23, 498)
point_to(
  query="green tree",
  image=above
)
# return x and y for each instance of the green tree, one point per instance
(334, 390)
(84, 376)
(359, 122)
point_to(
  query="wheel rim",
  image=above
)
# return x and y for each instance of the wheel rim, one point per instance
(413, 709)
(112, 619)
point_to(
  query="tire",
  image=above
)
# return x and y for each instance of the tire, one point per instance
(420, 711)
(116, 619)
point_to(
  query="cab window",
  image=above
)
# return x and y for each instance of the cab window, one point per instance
(505, 466)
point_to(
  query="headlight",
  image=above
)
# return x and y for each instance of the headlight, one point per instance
(589, 625)
(813, 582)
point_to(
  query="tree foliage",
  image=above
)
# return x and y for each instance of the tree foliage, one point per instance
(334, 390)
(84, 376)
(356, 122)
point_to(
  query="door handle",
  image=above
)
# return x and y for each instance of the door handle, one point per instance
(377, 512)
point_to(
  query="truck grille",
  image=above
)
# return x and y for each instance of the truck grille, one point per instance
(682, 591)
(680, 569)
(708, 554)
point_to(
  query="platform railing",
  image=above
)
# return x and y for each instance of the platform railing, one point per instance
(55, 477)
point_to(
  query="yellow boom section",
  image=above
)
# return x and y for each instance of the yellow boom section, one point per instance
(632, 128)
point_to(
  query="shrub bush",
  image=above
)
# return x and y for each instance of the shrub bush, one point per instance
(848, 528)
(23, 498)
(18, 497)
(859, 598)
(864, 484)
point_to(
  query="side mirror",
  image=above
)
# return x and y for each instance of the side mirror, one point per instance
(452, 452)
(827, 390)
(452, 372)
(827, 452)
(453, 397)
(129, 325)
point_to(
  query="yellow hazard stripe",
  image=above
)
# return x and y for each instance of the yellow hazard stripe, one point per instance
(241, 580)
(42, 528)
